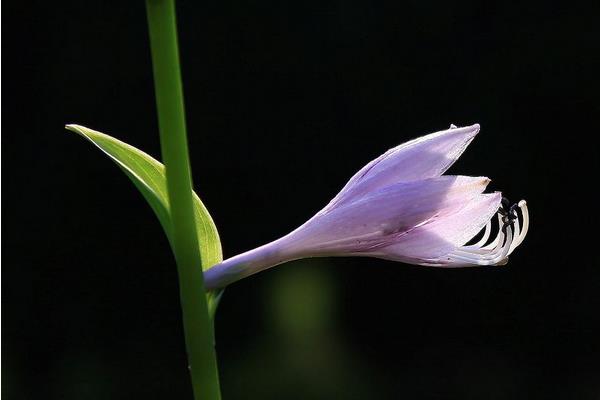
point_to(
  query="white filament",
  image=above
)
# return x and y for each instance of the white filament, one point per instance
(486, 235)
(519, 237)
(492, 257)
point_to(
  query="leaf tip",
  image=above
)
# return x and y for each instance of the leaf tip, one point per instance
(73, 128)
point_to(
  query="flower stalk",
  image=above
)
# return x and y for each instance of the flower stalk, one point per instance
(198, 327)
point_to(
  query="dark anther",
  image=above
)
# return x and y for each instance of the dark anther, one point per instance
(508, 212)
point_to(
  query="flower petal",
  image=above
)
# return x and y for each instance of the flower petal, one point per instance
(378, 218)
(425, 157)
(442, 235)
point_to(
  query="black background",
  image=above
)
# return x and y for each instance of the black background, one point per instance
(285, 101)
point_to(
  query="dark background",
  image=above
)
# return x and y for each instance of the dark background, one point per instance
(285, 101)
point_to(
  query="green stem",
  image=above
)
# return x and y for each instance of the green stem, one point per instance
(198, 328)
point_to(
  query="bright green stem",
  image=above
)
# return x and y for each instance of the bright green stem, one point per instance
(198, 328)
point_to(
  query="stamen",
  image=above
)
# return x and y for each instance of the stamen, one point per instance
(516, 225)
(485, 237)
(493, 257)
(481, 246)
(483, 252)
(494, 242)
(520, 236)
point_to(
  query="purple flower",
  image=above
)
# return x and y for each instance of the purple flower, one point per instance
(400, 207)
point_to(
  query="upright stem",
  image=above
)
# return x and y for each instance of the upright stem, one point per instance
(197, 324)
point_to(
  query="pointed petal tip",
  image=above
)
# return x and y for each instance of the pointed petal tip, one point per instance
(492, 198)
(484, 181)
(481, 180)
(467, 133)
(469, 127)
(495, 194)
(472, 129)
(475, 126)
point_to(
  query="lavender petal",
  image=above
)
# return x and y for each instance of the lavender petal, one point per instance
(425, 157)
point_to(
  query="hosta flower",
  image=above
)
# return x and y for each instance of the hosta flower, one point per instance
(400, 207)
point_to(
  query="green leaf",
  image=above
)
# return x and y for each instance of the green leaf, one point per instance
(148, 175)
